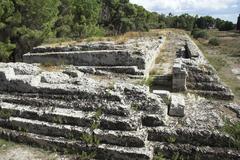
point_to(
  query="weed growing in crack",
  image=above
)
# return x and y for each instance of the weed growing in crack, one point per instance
(91, 139)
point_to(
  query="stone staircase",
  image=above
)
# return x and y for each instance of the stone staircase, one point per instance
(123, 121)
(134, 57)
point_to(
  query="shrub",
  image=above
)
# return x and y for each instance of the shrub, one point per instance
(214, 42)
(198, 33)
(233, 129)
(6, 50)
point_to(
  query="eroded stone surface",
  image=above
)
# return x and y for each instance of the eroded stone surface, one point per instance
(177, 106)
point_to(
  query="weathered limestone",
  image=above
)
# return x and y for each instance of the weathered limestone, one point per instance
(179, 76)
(192, 71)
(165, 81)
(235, 108)
(22, 68)
(195, 152)
(177, 106)
(6, 74)
(64, 104)
(54, 78)
(102, 54)
(198, 137)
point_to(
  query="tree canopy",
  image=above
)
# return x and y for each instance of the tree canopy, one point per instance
(27, 23)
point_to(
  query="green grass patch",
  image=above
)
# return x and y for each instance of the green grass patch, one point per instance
(214, 41)
(224, 57)
(233, 129)
(5, 144)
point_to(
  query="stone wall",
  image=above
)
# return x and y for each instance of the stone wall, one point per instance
(179, 77)
(56, 110)
(197, 75)
(140, 53)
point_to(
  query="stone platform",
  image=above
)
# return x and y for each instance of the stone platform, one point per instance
(139, 53)
(66, 110)
(86, 107)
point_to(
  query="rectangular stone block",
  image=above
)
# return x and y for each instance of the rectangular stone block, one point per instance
(177, 106)
(6, 74)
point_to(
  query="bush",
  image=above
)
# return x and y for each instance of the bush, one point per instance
(233, 129)
(198, 33)
(6, 50)
(214, 42)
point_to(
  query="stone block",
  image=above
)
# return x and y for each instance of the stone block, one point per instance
(54, 77)
(73, 73)
(24, 83)
(24, 69)
(6, 74)
(177, 106)
(153, 120)
(179, 76)
(165, 95)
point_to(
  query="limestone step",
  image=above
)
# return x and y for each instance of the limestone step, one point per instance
(103, 151)
(186, 151)
(107, 107)
(131, 70)
(120, 138)
(222, 95)
(89, 58)
(69, 116)
(198, 137)
(83, 47)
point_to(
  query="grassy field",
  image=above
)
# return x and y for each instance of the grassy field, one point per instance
(224, 57)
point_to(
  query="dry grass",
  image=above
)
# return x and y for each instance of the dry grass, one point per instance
(156, 71)
(224, 57)
(119, 39)
(161, 59)
(51, 67)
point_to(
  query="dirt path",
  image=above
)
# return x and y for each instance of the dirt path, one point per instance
(164, 61)
(13, 151)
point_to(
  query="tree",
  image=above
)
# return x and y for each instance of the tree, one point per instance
(25, 24)
(86, 17)
(238, 23)
(205, 22)
(7, 20)
(226, 26)
(184, 21)
(64, 23)
(37, 19)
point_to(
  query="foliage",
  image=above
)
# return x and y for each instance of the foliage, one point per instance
(159, 156)
(135, 106)
(25, 24)
(214, 42)
(6, 114)
(184, 21)
(149, 81)
(5, 51)
(91, 139)
(233, 129)
(205, 22)
(171, 139)
(198, 33)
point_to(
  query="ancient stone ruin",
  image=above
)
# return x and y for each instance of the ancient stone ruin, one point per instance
(94, 103)
(135, 57)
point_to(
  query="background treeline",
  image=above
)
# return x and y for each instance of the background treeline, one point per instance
(27, 23)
